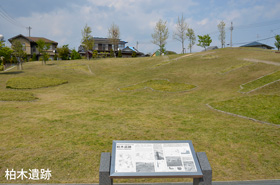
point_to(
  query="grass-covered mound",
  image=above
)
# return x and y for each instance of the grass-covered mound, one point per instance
(32, 82)
(261, 107)
(260, 82)
(238, 66)
(16, 96)
(160, 85)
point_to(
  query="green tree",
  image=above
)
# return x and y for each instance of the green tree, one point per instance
(94, 54)
(87, 40)
(114, 36)
(204, 41)
(180, 32)
(120, 54)
(222, 36)
(133, 54)
(18, 53)
(34, 58)
(43, 48)
(75, 55)
(277, 42)
(5, 55)
(160, 35)
(63, 52)
(112, 53)
(191, 37)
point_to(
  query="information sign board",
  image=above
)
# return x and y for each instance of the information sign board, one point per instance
(132, 159)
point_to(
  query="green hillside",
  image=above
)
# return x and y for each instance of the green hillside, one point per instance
(66, 127)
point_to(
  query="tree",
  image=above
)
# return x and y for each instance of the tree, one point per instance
(94, 54)
(18, 53)
(112, 53)
(160, 35)
(204, 41)
(87, 39)
(75, 55)
(134, 54)
(191, 37)
(5, 55)
(180, 32)
(120, 53)
(222, 36)
(63, 52)
(43, 47)
(277, 42)
(114, 36)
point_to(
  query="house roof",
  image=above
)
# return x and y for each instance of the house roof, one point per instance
(255, 44)
(33, 39)
(105, 39)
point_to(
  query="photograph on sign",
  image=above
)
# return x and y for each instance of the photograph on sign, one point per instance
(153, 157)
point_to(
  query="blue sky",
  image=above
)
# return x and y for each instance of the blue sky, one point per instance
(63, 20)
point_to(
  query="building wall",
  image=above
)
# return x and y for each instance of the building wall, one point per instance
(26, 44)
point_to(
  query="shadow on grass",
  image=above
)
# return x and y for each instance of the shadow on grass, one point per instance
(11, 72)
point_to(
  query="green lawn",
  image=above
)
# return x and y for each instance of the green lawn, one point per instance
(69, 125)
(160, 85)
(260, 82)
(33, 82)
(261, 107)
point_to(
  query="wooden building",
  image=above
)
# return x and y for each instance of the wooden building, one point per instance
(30, 46)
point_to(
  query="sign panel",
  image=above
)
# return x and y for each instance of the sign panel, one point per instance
(154, 159)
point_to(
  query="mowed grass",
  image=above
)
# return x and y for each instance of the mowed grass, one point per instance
(260, 82)
(160, 85)
(16, 96)
(261, 107)
(69, 125)
(32, 82)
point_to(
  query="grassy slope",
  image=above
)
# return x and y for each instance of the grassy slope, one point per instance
(70, 125)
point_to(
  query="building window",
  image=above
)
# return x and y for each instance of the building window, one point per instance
(121, 46)
(23, 46)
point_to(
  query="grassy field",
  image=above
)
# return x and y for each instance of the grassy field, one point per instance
(69, 125)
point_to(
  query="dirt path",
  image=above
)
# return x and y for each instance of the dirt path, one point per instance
(262, 61)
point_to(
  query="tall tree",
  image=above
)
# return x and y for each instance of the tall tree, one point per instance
(222, 36)
(180, 32)
(43, 48)
(191, 37)
(204, 41)
(87, 40)
(18, 53)
(160, 35)
(277, 42)
(114, 36)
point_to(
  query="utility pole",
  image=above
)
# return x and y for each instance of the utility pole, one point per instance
(29, 29)
(137, 45)
(231, 28)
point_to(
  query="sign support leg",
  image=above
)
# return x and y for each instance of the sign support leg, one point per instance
(206, 170)
(104, 169)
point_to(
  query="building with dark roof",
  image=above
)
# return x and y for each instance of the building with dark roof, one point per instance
(30, 46)
(127, 52)
(103, 45)
(257, 45)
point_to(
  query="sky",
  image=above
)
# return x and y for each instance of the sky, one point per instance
(63, 20)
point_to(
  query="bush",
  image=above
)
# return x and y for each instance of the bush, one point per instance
(112, 53)
(94, 54)
(34, 57)
(1, 67)
(32, 82)
(133, 54)
(120, 53)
